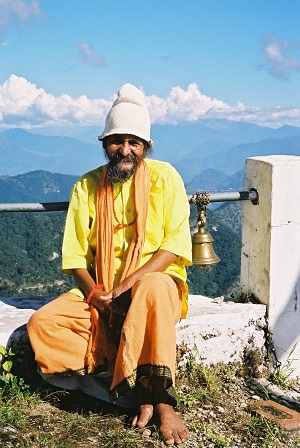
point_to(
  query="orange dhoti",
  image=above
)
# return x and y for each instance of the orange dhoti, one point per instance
(60, 335)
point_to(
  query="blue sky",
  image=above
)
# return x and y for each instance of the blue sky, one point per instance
(62, 61)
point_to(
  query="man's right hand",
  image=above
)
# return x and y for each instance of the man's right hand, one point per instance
(101, 302)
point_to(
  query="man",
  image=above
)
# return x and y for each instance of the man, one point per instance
(126, 242)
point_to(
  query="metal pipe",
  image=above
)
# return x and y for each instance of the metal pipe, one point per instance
(251, 195)
(35, 207)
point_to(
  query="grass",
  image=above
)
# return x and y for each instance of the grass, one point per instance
(215, 402)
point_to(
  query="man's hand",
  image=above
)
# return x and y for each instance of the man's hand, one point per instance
(108, 303)
(113, 312)
(119, 289)
(101, 302)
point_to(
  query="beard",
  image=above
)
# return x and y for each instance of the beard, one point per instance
(117, 171)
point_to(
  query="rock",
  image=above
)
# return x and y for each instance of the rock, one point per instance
(24, 365)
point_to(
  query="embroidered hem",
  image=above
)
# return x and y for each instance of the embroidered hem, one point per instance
(145, 370)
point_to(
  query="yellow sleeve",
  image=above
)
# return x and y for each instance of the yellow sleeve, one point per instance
(177, 236)
(77, 248)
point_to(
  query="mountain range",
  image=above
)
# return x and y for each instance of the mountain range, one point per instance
(36, 186)
(192, 148)
(22, 151)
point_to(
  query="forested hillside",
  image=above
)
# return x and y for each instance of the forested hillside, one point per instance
(30, 247)
(36, 186)
(221, 278)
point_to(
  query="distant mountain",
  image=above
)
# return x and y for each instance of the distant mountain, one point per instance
(207, 180)
(22, 151)
(215, 180)
(233, 159)
(192, 133)
(192, 148)
(36, 186)
(173, 142)
(233, 182)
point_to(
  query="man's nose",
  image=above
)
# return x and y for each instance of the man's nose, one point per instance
(125, 149)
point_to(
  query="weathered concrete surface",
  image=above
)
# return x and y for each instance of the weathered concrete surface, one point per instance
(221, 332)
(14, 315)
(15, 312)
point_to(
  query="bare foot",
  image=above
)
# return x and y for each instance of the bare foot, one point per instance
(141, 420)
(171, 427)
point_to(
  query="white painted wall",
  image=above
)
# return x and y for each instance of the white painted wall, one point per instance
(270, 264)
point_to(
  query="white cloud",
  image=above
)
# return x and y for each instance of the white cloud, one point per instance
(88, 55)
(17, 11)
(281, 57)
(184, 105)
(23, 104)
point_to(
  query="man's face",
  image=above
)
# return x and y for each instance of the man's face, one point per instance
(124, 152)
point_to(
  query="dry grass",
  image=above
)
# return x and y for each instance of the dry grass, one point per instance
(213, 401)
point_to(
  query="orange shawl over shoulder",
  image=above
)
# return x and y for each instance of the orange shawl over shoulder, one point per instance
(99, 347)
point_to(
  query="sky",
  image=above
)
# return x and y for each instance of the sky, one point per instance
(63, 61)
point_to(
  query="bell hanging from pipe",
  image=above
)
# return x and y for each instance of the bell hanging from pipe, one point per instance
(202, 250)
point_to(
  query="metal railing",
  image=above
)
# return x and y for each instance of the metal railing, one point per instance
(35, 207)
(250, 195)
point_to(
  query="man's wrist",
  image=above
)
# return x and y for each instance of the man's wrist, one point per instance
(92, 292)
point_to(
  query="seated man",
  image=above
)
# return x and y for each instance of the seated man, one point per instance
(126, 243)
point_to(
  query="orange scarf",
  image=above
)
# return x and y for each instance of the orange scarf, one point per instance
(99, 347)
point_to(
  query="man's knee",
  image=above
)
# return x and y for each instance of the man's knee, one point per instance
(152, 281)
(42, 318)
(37, 320)
(154, 286)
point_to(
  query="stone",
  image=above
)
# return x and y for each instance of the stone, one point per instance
(285, 417)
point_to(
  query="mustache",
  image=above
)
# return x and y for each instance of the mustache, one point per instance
(117, 157)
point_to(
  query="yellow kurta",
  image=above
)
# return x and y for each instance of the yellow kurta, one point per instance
(167, 224)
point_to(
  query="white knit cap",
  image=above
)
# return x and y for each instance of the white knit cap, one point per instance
(128, 115)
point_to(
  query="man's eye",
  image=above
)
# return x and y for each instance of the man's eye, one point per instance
(134, 142)
(116, 141)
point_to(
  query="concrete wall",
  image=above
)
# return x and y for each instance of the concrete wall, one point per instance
(270, 264)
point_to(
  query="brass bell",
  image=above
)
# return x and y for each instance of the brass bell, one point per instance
(202, 250)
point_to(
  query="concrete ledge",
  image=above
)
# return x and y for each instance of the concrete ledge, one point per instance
(221, 331)
(15, 312)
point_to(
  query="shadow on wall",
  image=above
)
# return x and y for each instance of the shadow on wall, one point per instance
(285, 328)
(26, 303)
